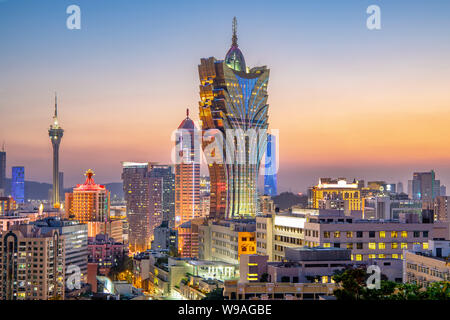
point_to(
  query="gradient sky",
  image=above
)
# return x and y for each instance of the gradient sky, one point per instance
(347, 101)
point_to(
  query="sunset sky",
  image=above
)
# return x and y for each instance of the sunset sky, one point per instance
(347, 101)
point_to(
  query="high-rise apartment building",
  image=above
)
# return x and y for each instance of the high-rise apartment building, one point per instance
(234, 114)
(33, 266)
(442, 208)
(187, 172)
(18, 184)
(7, 205)
(135, 177)
(55, 133)
(75, 236)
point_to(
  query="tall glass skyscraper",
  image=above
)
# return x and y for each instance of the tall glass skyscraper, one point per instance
(136, 189)
(233, 104)
(3, 170)
(167, 176)
(187, 172)
(18, 184)
(270, 167)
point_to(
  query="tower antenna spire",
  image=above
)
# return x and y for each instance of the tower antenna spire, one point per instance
(187, 112)
(56, 105)
(234, 39)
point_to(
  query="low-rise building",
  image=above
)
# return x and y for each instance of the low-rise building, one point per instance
(227, 240)
(106, 252)
(196, 288)
(367, 239)
(423, 267)
(233, 290)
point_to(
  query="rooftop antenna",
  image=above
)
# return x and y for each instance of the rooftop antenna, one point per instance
(187, 112)
(3, 146)
(234, 39)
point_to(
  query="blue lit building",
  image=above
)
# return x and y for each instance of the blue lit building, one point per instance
(18, 184)
(270, 168)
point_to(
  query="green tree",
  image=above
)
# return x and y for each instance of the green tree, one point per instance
(216, 294)
(352, 286)
(264, 277)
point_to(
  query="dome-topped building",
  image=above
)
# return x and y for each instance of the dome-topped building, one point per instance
(234, 58)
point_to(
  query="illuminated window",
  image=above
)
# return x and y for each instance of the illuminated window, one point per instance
(404, 234)
(394, 245)
(425, 245)
(381, 245)
(337, 234)
(372, 256)
(394, 234)
(404, 245)
(349, 245)
(394, 256)
(324, 279)
(349, 234)
(359, 257)
(327, 245)
(326, 234)
(381, 256)
(382, 234)
(372, 245)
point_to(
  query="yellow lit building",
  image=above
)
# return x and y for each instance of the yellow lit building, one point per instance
(329, 194)
(89, 201)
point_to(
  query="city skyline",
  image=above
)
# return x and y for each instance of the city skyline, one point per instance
(346, 83)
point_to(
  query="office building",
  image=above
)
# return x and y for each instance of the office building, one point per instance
(165, 238)
(233, 110)
(337, 194)
(166, 177)
(424, 267)
(388, 208)
(226, 240)
(187, 172)
(18, 184)
(33, 266)
(368, 239)
(425, 187)
(55, 133)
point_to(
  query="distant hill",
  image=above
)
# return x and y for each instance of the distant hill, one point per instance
(285, 200)
(33, 190)
(40, 190)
